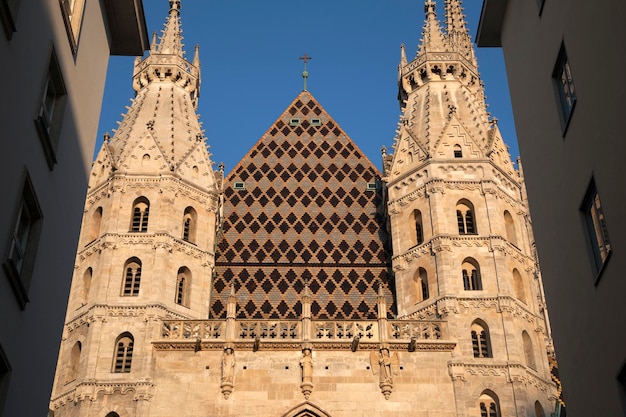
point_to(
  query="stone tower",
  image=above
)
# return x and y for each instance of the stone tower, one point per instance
(306, 282)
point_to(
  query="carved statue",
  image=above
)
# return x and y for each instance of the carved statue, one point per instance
(306, 363)
(384, 364)
(228, 371)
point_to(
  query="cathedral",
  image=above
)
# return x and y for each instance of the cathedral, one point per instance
(306, 282)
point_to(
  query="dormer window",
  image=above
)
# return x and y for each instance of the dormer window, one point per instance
(294, 122)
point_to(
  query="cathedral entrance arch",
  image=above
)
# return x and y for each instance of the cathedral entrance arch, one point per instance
(306, 409)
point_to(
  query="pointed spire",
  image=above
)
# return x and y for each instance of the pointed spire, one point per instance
(432, 35)
(458, 33)
(153, 45)
(171, 40)
(403, 60)
(196, 56)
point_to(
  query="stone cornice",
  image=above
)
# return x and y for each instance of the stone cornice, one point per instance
(512, 371)
(89, 390)
(156, 240)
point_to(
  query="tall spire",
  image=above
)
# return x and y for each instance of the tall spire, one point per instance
(171, 39)
(432, 35)
(458, 34)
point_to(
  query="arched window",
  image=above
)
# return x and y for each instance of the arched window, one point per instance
(420, 281)
(489, 404)
(86, 284)
(511, 235)
(72, 368)
(539, 410)
(518, 284)
(94, 225)
(471, 275)
(123, 353)
(183, 285)
(458, 153)
(112, 414)
(419, 229)
(528, 351)
(189, 225)
(132, 277)
(141, 210)
(481, 344)
(465, 217)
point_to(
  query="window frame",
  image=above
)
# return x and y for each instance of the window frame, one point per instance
(73, 19)
(49, 125)
(126, 358)
(595, 226)
(563, 97)
(20, 275)
(9, 10)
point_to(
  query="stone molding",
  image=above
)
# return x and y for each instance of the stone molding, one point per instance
(89, 390)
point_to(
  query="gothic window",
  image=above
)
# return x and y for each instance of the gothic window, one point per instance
(132, 277)
(72, 11)
(419, 229)
(72, 366)
(420, 281)
(123, 353)
(141, 210)
(481, 345)
(94, 225)
(23, 242)
(112, 414)
(509, 224)
(87, 276)
(189, 225)
(597, 232)
(471, 275)
(183, 284)
(489, 404)
(518, 284)
(539, 410)
(564, 82)
(458, 153)
(465, 217)
(528, 351)
(51, 107)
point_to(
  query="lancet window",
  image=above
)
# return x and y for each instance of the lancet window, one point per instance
(471, 275)
(123, 353)
(481, 345)
(132, 277)
(141, 211)
(465, 217)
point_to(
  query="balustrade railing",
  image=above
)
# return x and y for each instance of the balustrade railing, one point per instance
(293, 330)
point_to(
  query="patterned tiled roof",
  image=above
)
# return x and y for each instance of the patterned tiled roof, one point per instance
(304, 205)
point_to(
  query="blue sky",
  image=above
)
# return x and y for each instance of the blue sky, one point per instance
(249, 52)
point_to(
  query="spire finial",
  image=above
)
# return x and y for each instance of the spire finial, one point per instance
(305, 73)
(432, 35)
(171, 40)
(458, 34)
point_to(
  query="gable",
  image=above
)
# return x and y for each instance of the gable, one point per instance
(145, 158)
(298, 208)
(455, 135)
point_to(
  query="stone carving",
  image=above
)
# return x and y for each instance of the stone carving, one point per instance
(385, 365)
(306, 364)
(228, 372)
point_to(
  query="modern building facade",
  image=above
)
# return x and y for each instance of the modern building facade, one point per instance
(306, 282)
(53, 60)
(569, 136)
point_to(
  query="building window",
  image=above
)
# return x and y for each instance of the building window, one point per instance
(94, 225)
(132, 278)
(465, 217)
(509, 223)
(189, 225)
(458, 153)
(50, 113)
(528, 351)
(72, 11)
(481, 345)
(23, 242)
(8, 16)
(5, 376)
(123, 353)
(295, 122)
(72, 366)
(419, 229)
(489, 405)
(141, 211)
(598, 235)
(518, 285)
(112, 414)
(239, 185)
(421, 284)
(87, 276)
(183, 284)
(539, 410)
(565, 86)
(471, 275)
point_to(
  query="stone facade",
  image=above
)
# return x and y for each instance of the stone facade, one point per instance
(306, 282)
